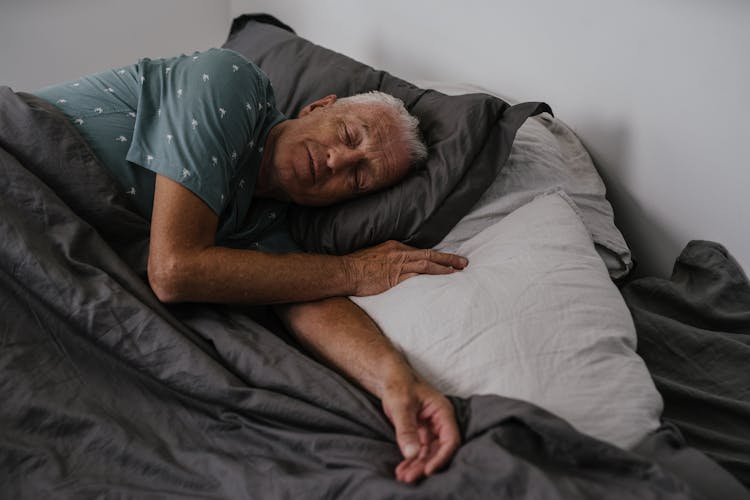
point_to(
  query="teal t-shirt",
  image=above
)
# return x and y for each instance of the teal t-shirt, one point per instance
(199, 119)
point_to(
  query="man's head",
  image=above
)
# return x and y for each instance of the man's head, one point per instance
(339, 149)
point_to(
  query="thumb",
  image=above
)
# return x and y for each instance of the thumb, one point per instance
(404, 419)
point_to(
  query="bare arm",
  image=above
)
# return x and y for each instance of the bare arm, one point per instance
(185, 264)
(341, 334)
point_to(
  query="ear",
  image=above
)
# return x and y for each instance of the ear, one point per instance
(320, 103)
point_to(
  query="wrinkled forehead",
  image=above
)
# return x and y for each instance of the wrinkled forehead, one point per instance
(383, 137)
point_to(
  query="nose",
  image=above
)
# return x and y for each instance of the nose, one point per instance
(342, 158)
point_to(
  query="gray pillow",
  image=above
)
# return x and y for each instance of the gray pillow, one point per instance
(469, 139)
(547, 155)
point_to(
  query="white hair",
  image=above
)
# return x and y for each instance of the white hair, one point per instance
(408, 123)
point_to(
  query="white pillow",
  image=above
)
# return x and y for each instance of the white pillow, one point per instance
(535, 316)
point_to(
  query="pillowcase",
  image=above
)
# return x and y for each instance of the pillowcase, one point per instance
(535, 316)
(468, 138)
(546, 154)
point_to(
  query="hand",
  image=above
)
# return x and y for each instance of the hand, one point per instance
(426, 429)
(379, 268)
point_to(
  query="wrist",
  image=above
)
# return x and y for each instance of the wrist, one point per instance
(396, 376)
(348, 274)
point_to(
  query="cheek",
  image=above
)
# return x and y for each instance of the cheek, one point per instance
(337, 192)
(286, 162)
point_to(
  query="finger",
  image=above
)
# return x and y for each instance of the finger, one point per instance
(405, 466)
(404, 418)
(444, 434)
(401, 468)
(440, 457)
(425, 440)
(425, 267)
(413, 469)
(445, 259)
(448, 440)
(410, 470)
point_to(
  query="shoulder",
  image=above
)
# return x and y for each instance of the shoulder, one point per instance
(224, 61)
(214, 60)
(220, 56)
(215, 70)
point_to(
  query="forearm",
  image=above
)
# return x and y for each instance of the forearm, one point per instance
(185, 265)
(226, 275)
(343, 336)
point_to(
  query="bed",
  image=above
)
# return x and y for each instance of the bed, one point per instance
(601, 386)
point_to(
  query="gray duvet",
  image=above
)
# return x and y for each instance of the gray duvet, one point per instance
(105, 392)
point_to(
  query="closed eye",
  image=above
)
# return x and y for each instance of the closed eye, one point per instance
(349, 139)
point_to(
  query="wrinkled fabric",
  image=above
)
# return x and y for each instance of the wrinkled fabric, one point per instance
(694, 335)
(106, 392)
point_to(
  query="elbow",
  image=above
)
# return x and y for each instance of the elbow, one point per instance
(164, 277)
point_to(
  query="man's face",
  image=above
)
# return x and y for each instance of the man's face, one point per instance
(333, 153)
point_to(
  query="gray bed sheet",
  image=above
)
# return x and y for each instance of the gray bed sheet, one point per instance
(107, 393)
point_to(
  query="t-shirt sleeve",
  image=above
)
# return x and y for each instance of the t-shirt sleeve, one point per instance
(196, 117)
(278, 240)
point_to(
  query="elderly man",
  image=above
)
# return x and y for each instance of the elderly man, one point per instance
(199, 145)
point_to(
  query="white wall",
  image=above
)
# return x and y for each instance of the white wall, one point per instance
(43, 42)
(657, 89)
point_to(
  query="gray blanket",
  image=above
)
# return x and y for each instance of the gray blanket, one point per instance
(694, 335)
(104, 392)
